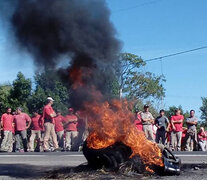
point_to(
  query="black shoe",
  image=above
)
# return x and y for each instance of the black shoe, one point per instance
(46, 150)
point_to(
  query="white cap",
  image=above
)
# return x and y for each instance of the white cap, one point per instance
(50, 99)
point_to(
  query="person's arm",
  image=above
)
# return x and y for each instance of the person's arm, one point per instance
(152, 119)
(167, 124)
(191, 122)
(48, 112)
(2, 122)
(178, 122)
(145, 119)
(69, 121)
(156, 123)
(172, 123)
(28, 119)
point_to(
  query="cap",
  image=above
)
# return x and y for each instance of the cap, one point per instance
(146, 106)
(50, 99)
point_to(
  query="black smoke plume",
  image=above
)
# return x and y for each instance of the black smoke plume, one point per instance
(78, 29)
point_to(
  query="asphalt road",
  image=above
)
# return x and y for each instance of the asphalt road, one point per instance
(27, 165)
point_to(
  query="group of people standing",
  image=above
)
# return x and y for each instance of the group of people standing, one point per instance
(52, 131)
(171, 132)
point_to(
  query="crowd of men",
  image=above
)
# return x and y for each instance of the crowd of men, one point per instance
(49, 131)
(172, 133)
(52, 131)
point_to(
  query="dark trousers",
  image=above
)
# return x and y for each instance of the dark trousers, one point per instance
(160, 135)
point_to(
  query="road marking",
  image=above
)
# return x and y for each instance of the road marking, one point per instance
(190, 155)
(78, 155)
(33, 155)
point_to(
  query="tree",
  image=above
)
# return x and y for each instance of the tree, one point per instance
(37, 100)
(136, 84)
(203, 109)
(4, 97)
(20, 92)
(48, 83)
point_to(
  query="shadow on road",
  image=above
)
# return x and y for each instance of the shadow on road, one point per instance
(21, 171)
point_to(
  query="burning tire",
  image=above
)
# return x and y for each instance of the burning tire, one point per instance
(117, 157)
(110, 158)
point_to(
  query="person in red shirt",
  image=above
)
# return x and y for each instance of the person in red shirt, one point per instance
(7, 126)
(35, 131)
(177, 128)
(71, 124)
(138, 120)
(202, 137)
(20, 120)
(48, 121)
(59, 129)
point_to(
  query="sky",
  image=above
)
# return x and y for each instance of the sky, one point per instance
(148, 28)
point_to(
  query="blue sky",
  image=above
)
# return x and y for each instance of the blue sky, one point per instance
(148, 28)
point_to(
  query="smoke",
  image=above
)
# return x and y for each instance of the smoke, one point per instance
(78, 29)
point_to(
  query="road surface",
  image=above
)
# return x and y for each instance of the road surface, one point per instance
(27, 165)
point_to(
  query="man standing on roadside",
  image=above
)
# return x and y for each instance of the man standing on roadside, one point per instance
(7, 120)
(71, 124)
(21, 126)
(177, 127)
(36, 131)
(48, 121)
(162, 124)
(191, 135)
(147, 121)
(59, 129)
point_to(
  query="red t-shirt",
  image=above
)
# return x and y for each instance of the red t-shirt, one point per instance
(7, 122)
(73, 126)
(178, 127)
(138, 122)
(59, 123)
(20, 121)
(36, 123)
(47, 111)
(201, 136)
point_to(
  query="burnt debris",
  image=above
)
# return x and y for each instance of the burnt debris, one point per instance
(117, 158)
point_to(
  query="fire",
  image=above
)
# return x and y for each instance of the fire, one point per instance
(112, 122)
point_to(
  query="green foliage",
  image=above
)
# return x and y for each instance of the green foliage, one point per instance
(37, 100)
(49, 84)
(20, 92)
(112, 87)
(135, 84)
(203, 109)
(4, 97)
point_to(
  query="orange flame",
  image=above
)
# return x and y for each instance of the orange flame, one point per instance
(110, 123)
(113, 122)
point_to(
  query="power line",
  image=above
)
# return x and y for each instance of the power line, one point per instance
(175, 54)
(136, 6)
